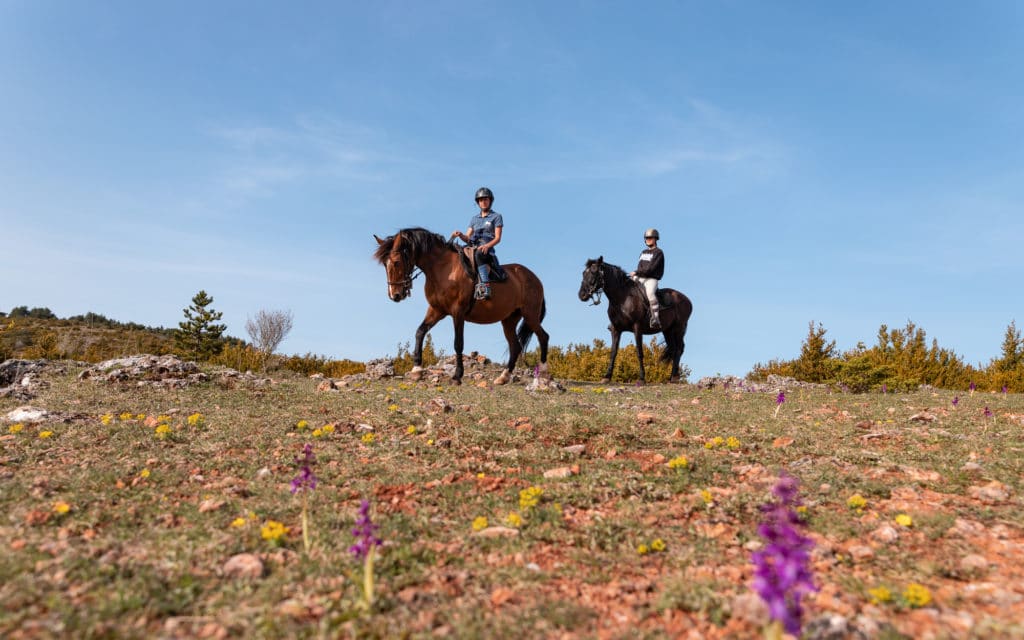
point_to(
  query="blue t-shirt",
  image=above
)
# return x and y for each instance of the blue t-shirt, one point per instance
(483, 227)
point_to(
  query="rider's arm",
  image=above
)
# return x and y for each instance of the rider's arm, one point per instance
(497, 238)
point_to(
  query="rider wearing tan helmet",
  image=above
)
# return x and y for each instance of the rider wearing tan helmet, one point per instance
(650, 271)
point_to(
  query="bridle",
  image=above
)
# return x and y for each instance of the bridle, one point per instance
(406, 282)
(598, 288)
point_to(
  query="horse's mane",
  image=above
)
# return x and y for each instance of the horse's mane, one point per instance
(417, 241)
(616, 271)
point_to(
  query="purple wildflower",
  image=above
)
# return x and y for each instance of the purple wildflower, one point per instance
(781, 398)
(987, 412)
(364, 533)
(972, 386)
(306, 480)
(536, 371)
(956, 400)
(885, 389)
(782, 572)
(1004, 389)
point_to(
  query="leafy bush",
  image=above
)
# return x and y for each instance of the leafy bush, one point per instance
(590, 362)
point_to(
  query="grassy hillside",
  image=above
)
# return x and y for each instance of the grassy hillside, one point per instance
(77, 339)
(139, 512)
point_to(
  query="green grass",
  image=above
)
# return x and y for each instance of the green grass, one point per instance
(140, 557)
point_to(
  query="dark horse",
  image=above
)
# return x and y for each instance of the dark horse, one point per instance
(629, 311)
(449, 291)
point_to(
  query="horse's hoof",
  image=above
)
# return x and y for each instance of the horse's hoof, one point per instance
(416, 374)
(641, 383)
(457, 382)
(503, 378)
(674, 379)
(605, 380)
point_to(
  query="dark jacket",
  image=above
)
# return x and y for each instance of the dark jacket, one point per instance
(652, 264)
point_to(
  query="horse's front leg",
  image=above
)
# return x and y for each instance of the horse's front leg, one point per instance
(640, 353)
(616, 336)
(460, 327)
(433, 317)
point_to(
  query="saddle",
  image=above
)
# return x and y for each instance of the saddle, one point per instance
(471, 258)
(665, 301)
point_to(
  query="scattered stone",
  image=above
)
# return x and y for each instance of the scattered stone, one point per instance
(749, 607)
(861, 552)
(645, 418)
(924, 416)
(990, 493)
(243, 565)
(974, 563)
(829, 627)
(971, 467)
(575, 449)
(560, 472)
(380, 368)
(497, 532)
(210, 504)
(885, 534)
(26, 414)
(327, 385)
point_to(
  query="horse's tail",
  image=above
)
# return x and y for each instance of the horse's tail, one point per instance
(525, 332)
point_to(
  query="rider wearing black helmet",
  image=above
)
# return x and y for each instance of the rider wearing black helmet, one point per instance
(484, 232)
(649, 271)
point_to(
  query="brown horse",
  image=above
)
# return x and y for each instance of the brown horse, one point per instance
(629, 310)
(449, 291)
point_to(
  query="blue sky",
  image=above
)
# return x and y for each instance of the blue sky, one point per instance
(851, 164)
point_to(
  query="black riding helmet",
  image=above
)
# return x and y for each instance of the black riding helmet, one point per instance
(483, 192)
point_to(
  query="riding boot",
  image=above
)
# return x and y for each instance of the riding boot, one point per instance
(483, 288)
(655, 317)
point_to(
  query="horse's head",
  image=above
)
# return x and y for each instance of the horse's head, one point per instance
(593, 281)
(398, 263)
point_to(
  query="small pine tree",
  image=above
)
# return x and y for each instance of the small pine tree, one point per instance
(1013, 350)
(817, 357)
(199, 336)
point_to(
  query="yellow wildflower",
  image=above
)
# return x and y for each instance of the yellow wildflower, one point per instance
(481, 475)
(301, 424)
(392, 407)
(141, 416)
(529, 498)
(706, 496)
(917, 595)
(126, 416)
(238, 522)
(732, 442)
(144, 473)
(162, 430)
(368, 438)
(904, 520)
(273, 531)
(679, 462)
(479, 523)
(196, 420)
(856, 501)
(880, 595)
(163, 418)
(411, 430)
(107, 418)
(60, 507)
(327, 428)
(513, 519)
(15, 428)
(642, 549)
(657, 544)
(430, 442)
(45, 434)
(317, 433)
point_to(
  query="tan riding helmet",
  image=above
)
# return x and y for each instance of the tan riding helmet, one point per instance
(652, 233)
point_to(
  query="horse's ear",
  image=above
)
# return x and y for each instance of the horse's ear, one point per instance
(600, 260)
(379, 241)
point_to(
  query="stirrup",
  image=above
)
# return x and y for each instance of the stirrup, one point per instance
(482, 292)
